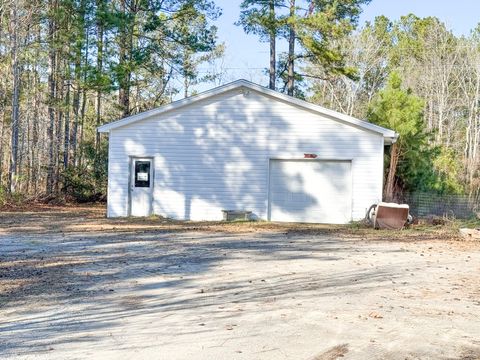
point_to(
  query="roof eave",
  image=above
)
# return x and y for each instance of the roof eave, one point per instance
(390, 140)
(172, 106)
(389, 135)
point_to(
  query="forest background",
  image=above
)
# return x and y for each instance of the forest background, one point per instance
(68, 66)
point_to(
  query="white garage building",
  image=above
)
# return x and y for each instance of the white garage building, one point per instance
(244, 147)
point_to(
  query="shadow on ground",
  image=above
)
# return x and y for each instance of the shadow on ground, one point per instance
(65, 275)
(100, 272)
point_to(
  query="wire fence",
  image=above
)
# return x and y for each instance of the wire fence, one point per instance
(445, 205)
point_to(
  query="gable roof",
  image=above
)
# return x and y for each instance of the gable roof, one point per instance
(390, 136)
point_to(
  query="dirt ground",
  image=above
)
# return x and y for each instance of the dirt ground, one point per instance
(74, 285)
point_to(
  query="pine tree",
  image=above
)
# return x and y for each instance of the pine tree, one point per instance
(150, 33)
(259, 17)
(14, 25)
(314, 24)
(62, 75)
(398, 109)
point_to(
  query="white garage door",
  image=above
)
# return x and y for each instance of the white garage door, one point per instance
(310, 191)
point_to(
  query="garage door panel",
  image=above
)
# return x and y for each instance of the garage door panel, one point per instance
(310, 191)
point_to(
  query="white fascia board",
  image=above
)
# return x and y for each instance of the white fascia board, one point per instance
(389, 135)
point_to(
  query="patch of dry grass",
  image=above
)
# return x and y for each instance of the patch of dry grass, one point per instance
(91, 218)
(334, 353)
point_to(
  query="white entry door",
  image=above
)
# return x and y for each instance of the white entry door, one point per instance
(141, 187)
(310, 191)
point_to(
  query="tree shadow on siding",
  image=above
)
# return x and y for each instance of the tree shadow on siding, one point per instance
(216, 156)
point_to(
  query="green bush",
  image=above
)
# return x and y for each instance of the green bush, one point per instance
(7, 198)
(3, 195)
(87, 182)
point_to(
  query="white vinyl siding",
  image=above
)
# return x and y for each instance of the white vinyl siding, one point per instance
(214, 154)
(310, 191)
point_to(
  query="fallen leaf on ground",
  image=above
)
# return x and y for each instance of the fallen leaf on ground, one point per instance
(375, 315)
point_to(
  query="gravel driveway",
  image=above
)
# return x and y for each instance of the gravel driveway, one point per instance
(219, 295)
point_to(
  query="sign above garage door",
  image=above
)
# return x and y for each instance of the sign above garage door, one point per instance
(313, 191)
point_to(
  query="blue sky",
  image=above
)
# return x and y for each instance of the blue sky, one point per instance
(246, 56)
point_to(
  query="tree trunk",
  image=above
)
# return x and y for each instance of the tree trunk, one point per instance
(12, 174)
(84, 103)
(66, 139)
(390, 183)
(22, 143)
(82, 126)
(78, 76)
(185, 86)
(186, 68)
(59, 126)
(126, 42)
(2, 130)
(76, 110)
(36, 120)
(51, 100)
(100, 31)
(273, 38)
(291, 50)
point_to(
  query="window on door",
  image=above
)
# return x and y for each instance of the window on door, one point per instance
(142, 173)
